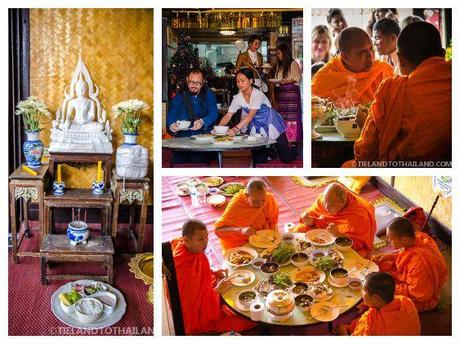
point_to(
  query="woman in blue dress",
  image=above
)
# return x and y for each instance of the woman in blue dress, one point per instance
(257, 117)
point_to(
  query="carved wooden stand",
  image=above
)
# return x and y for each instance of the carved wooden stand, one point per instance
(29, 188)
(131, 191)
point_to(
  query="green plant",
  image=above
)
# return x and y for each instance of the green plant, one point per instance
(131, 110)
(31, 110)
(283, 253)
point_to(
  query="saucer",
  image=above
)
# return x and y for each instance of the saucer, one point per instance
(241, 307)
(337, 285)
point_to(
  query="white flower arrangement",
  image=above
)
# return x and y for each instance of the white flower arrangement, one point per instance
(31, 109)
(132, 110)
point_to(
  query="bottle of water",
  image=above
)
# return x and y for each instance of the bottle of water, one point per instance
(194, 196)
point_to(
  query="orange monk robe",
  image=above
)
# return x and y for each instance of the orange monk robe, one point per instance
(355, 221)
(240, 214)
(411, 117)
(419, 271)
(397, 318)
(345, 88)
(201, 307)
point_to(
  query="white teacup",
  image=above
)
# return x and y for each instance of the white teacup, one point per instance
(220, 129)
(183, 124)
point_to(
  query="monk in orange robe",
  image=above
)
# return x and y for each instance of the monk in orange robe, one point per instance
(419, 268)
(344, 214)
(411, 117)
(388, 314)
(249, 210)
(199, 287)
(353, 76)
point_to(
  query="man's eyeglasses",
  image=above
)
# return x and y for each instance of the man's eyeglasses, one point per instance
(195, 83)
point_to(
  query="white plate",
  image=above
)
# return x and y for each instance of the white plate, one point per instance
(296, 271)
(72, 320)
(337, 285)
(323, 234)
(332, 315)
(242, 248)
(237, 282)
(265, 238)
(182, 193)
(202, 139)
(363, 272)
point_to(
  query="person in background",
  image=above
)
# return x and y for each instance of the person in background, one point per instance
(385, 35)
(337, 23)
(409, 20)
(198, 105)
(378, 14)
(258, 117)
(253, 60)
(289, 104)
(321, 44)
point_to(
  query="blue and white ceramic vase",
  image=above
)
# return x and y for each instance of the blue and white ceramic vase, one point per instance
(130, 139)
(77, 232)
(58, 188)
(33, 149)
(98, 187)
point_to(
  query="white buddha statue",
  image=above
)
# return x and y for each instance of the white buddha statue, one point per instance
(81, 124)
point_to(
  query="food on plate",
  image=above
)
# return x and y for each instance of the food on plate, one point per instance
(320, 237)
(225, 138)
(231, 189)
(193, 181)
(282, 254)
(216, 200)
(265, 238)
(239, 257)
(183, 189)
(299, 288)
(325, 263)
(269, 268)
(247, 296)
(324, 310)
(327, 259)
(213, 181)
(265, 287)
(94, 288)
(320, 291)
(303, 245)
(281, 280)
(307, 275)
(243, 277)
(70, 297)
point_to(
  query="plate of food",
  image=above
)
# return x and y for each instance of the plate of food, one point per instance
(242, 278)
(230, 189)
(362, 268)
(203, 138)
(320, 291)
(213, 181)
(265, 238)
(320, 237)
(324, 311)
(182, 189)
(240, 256)
(326, 259)
(308, 274)
(223, 140)
(282, 254)
(265, 287)
(281, 280)
(88, 304)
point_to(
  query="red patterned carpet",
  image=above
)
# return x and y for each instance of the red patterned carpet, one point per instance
(29, 311)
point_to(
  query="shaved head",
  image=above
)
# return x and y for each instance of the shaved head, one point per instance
(419, 41)
(350, 37)
(402, 227)
(256, 193)
(334, 198)
(356, 50)
(256, 184)
(190, 227)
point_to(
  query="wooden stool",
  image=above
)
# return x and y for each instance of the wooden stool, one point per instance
(131, 191)
(57, 248)
(79, 198)
(31, 189)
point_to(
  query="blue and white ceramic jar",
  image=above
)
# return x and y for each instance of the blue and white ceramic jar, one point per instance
(33, 149)
(130, 139)
(58, 188)
(77, 232)
(98, 187)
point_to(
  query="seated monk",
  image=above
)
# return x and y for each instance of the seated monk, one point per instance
(353, 76)
(344, 214)
(419, 268)
(411, 117)
(199, 287)
(249, 210)
(388, 314)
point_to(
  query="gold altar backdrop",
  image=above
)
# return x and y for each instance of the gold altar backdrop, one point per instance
(117, 48)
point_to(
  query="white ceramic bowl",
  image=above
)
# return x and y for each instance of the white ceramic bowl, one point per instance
(256, 261)
(299, 264)
(88, 309)
(355, 284)
(220, 129)
(287, 237)
(108, 300)
(339, 279)
(183, 124)
(247, 302)
(304, 302)
(343, 244)
(347, 127)
(269, 273)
